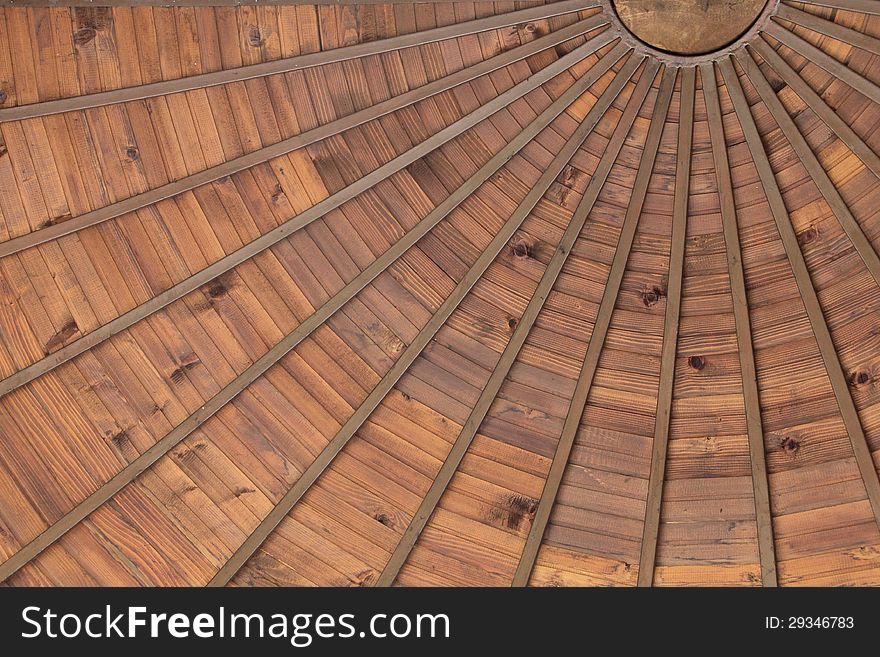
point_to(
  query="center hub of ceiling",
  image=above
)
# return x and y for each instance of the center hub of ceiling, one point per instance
(689, 27)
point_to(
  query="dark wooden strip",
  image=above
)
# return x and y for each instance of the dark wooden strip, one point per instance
(862, 6)
(609, 299)
(309, 137)
(271, 521)
(811, 163)
(136, 467)
(838, 380)
(284, 230)
(840, 127)
(754, 425)
(502, 368)
(292, 63)
(670, 329)
(823, 59)
(829, 28)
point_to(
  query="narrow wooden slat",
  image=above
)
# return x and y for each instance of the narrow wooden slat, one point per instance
(670, 329)
(840, 127)
(861, 6)
(511, 351)
(297, 63)
(606, 309)
(754, 424)
(836, 376)
(332, 202)
(231, 390)
(829, 28)
(826, 61)
(285, 146)
(811, 163)
(271, 521)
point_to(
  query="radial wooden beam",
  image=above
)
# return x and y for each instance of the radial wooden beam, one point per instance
(285, 146)
(401, 365)
(861, 6)
(231, 390)
(603, 319)
(829, 28)
(824, 60)
(651, 527)
(840, 127)
(766, 548)
(554, 267)
(289, 64)
(811, 163)
(836, 376)
(274, 236)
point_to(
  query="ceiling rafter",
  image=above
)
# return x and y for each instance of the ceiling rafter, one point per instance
(496, 379)
(402, 364)
(824, 60)
(290, 64)
(840, 127)
(248, 376)
(306, 217)
(861, 6)
(606, 307)
(829, 28)
(754, 423)
(261, 155)
(820, 177)
(651, 528)
(836, 376)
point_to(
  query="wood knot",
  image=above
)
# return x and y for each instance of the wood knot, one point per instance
(808, 235)
(512, 323)
(790, 445)
(3, 96)
(243, 490)
(63, 335)
(651, 295)
(255, 37)
(216, 289)
(859, 378)
(278, 194)
(522, 248)
(530, 28)
(132, 153)
(82, 36)
(696, 362)
(385, 519)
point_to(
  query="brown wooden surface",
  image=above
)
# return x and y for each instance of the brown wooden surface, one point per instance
(529, 324)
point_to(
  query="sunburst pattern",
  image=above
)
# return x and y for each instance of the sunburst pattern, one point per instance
(437, 294)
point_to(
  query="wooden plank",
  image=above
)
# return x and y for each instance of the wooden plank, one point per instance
(181, 431)
(425, 335)
(303, 219)
(829, 28)
(861, 6)
(651, 527)
(755, 429)
(811, 163)
(210, 3)
(836, 375)
(297, 63)
(603, 319)
(285, 146)
(826, 61)
(840, 127)
(511, 351)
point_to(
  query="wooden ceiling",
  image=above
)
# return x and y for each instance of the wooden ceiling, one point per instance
(363, 293)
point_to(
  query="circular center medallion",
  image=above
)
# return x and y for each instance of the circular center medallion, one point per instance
(688, 27)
